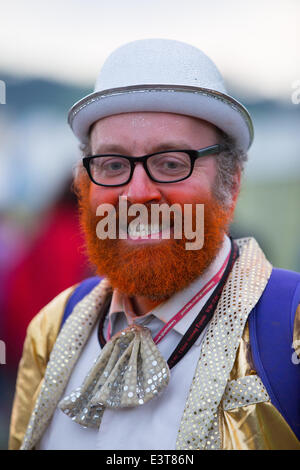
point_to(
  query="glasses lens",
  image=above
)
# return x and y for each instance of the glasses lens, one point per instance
(110, 170)
(168, 167)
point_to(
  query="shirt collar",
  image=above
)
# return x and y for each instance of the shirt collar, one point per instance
(165, 311)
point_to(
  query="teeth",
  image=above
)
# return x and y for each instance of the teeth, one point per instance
(142, 230)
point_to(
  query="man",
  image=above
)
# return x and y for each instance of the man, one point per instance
(170, 350)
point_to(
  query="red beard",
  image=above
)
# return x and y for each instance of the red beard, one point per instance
(158, 270)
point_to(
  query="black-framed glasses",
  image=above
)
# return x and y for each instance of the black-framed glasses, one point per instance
(169, 166)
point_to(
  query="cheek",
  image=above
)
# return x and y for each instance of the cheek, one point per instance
(99, 195)
(195, 190)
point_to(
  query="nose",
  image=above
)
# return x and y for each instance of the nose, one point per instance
(141, 189)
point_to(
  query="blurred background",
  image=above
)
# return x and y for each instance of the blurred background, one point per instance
(50, 55)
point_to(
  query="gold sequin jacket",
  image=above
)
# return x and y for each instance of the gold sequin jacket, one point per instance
(240, 415)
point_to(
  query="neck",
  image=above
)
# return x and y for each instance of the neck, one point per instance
(143, 305)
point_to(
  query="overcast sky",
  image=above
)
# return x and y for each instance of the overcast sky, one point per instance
(255, 43)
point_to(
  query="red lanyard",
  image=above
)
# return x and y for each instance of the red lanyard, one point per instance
(187, 307)
(208, 286)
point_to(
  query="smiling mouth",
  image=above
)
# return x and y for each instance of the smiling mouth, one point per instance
(149, 232)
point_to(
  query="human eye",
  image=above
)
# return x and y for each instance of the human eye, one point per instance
(170, 163)
(110, 166)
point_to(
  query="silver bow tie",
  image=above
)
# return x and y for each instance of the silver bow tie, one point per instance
(129, 372)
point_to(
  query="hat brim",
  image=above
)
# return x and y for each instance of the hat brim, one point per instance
(222, 110)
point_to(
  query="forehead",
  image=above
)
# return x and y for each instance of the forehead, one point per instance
(146, 128)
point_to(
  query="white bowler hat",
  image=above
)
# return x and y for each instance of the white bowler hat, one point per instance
(162, 75)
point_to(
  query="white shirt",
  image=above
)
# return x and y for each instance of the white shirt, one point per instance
(154, 425)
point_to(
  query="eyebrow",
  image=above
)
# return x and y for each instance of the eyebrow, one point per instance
(118, 149)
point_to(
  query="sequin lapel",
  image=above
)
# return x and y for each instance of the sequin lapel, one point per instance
(199, 425)
(64, 356)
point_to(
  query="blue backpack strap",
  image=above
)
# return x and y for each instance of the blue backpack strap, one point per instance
(271, 325)
(81, 291)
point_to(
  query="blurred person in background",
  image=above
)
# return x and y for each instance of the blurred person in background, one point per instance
(54, 259)
(174, 348)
